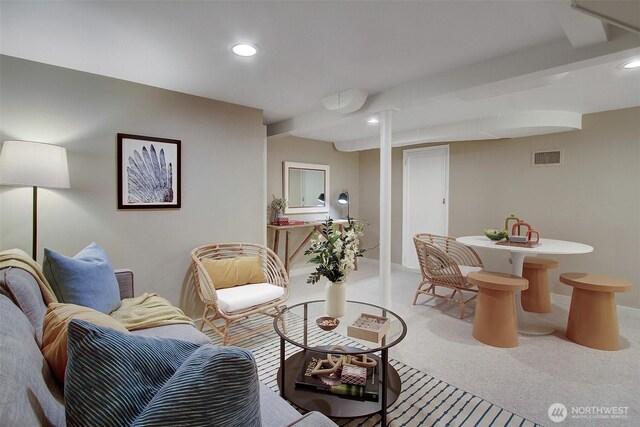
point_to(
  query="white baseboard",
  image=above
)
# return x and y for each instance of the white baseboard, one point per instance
(302, 270)
(394, 266)
(565, 300)
(309, 269)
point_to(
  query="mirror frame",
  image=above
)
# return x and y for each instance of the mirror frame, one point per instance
(286, 166)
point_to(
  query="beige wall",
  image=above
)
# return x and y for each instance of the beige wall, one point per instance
(593, 198)
(83, 112)
(344, 175)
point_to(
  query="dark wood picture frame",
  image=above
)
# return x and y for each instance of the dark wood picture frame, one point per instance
(148, 172)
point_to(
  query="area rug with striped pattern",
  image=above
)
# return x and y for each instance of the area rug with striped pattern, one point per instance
(424, 400)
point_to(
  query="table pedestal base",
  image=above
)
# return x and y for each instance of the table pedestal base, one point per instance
(528, 323)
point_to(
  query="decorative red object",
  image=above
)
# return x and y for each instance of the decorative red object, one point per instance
(530, 233)
(515, 230)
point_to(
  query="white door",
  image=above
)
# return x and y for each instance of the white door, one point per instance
(425, 197)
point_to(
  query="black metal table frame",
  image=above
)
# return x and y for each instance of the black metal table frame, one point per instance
(383, 349)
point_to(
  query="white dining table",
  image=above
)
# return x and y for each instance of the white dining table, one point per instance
(528, 323)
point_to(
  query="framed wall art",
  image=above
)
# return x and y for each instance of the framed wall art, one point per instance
(148, 172)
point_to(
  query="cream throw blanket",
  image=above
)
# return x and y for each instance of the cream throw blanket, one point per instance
(146, 311)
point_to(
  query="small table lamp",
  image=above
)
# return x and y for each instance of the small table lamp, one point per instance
(343, 199)
(34, 164)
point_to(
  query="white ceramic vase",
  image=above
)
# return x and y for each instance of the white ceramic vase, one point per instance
(335, 304)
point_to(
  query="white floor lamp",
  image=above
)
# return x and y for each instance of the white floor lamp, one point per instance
(36, 165)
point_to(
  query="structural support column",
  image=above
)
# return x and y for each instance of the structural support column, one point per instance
(385, 208)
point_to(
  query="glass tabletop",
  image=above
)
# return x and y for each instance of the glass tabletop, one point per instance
(297, 325)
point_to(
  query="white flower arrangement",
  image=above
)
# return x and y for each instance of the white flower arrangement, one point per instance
(334, 251)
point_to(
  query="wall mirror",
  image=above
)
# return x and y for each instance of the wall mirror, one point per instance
(306, 187)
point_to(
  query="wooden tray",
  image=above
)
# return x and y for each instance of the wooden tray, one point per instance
(518, 244)
(369, 327)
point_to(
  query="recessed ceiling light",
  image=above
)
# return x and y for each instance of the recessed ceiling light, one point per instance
(244, 49)
(373, 120)
(632, 64)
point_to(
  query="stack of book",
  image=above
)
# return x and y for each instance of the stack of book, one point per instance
(332, 383)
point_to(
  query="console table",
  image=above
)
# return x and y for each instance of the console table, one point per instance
(312, 225)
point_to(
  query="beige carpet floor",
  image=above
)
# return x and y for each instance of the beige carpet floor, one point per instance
(526, 380)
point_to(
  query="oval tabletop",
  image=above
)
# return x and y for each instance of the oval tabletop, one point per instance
(547, 246)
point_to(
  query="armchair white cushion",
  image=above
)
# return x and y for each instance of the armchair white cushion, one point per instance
(242, 297)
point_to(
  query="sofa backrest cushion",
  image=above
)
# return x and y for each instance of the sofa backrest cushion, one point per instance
(153, 381)
(29, 395)
(25, 292)
(86, 279)
(55, 337)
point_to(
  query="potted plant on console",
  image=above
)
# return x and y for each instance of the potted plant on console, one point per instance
(277, 206)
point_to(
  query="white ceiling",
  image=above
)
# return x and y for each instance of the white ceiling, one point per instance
(438, 63)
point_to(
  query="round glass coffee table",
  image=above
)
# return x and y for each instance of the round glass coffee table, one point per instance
(296, 325)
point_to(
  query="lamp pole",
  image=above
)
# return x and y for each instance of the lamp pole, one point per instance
(34, 246)
(348, 203)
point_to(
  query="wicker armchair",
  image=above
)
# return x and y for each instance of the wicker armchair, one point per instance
(239, 302)
(445, 262)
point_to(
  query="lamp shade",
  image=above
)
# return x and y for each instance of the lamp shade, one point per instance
(343, 198)
(321, 198)
(33, 164)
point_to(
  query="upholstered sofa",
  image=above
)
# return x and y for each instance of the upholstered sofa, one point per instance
(31, 396)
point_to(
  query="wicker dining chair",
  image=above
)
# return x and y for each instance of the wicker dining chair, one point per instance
(231, 304)
(445, 262)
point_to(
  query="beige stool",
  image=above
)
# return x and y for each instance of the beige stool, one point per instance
(537, 298)
(495, 321)
(593, 317)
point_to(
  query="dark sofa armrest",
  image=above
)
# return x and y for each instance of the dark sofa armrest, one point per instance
(125, 281)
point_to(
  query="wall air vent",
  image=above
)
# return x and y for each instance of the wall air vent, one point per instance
(546, 158)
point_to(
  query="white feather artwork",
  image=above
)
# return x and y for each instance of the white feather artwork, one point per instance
(150, 178)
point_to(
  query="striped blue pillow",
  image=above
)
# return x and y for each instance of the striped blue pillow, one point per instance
(118, 379)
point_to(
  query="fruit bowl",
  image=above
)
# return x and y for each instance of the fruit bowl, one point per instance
(495, 234)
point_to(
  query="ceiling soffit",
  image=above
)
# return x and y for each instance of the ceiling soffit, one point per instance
(480, 84)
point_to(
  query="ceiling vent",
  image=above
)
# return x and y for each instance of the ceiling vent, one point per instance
(547, 158)
(346, 101)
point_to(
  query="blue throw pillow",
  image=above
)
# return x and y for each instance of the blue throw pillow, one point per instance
(87, 279)
(127, 380)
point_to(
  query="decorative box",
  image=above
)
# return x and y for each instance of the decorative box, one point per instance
(352, 374)
(369, 327)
